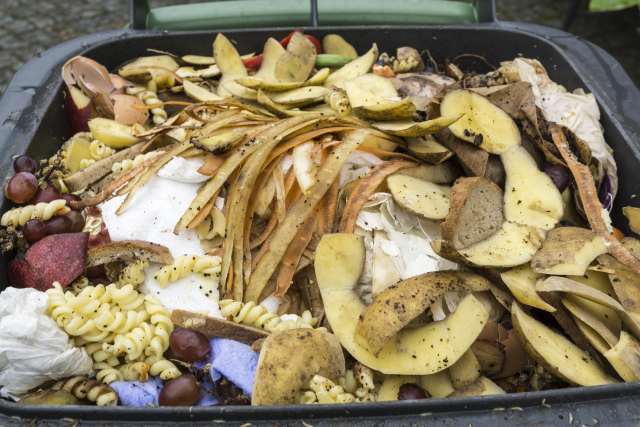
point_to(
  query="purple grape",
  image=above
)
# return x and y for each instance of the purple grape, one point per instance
(180, 391)
(46, 195)
(59, 225)
(71, 198)
(605, 193)
(412, 391)
(561, 176)
(169, 354)
(34, 230)
(22, 187)
(190, 345)
(24, 164)
(77, 221)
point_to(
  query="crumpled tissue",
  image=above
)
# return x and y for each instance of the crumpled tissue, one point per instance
(405, 239)
(234, 360)
(33, 349)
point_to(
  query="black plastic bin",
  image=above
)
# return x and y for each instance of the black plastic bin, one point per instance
(33, 121)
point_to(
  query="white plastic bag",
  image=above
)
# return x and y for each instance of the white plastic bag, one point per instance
(33, 349)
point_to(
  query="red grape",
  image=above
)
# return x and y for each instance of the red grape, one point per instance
(71, 198)
(412, 391)
(561, 176)
(34, 230)
(59, 225)
(46, 195)
(77, 221)
(22, 187)
(169, 354)
(180, 391)
(24, 164)
(190, 345)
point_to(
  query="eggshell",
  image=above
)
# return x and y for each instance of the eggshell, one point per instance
(124, 111)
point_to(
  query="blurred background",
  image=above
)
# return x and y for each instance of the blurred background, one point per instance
(28, 27)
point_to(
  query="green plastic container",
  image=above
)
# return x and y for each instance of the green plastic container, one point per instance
(298, 13)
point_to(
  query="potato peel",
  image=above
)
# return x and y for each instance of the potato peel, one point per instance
(399, 304)
(592, 205)
(251, 143)
(238, 201)
(327, 173)
(292, 256)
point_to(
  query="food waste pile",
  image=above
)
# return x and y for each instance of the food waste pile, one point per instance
(316, 225)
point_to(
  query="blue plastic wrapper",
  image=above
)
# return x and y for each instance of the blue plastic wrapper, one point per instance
(234, 360)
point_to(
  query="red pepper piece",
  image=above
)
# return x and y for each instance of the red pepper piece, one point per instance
(253, 63)
(316, 43)
(287, 39)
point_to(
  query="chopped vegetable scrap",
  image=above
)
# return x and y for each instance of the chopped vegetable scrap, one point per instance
(313, 226)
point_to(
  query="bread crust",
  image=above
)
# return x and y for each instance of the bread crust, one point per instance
(99, 169)
(217, 327)
(128, 250)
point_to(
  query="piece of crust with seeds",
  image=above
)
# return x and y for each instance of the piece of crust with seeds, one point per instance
(128, 250)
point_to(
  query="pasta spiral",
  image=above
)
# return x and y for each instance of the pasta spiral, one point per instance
(44, 211)
(92, 390)
(100, 151)
(135, 371)
(322, 390)
(185, 264)
(126, 297)
(163, 367)
(214, 224)
(258, 316)
(125, 332)
(161, 319)
(133, 274)
(86, 162)
(337, 99)
(107, 373)
(150, 98)
(126, 165)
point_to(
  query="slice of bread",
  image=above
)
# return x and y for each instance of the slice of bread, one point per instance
(128, 250)
(475, 212)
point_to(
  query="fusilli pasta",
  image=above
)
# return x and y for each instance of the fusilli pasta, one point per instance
(86, 162)
(161, 319)
(119, 168)
(338, 100)
(44, 211)
(123, 331)
(100, 151)
(150, 98)
(214, 224)
(92, 390)
(322, 390)
(186, 264)
(133, 274)
(259, 316)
